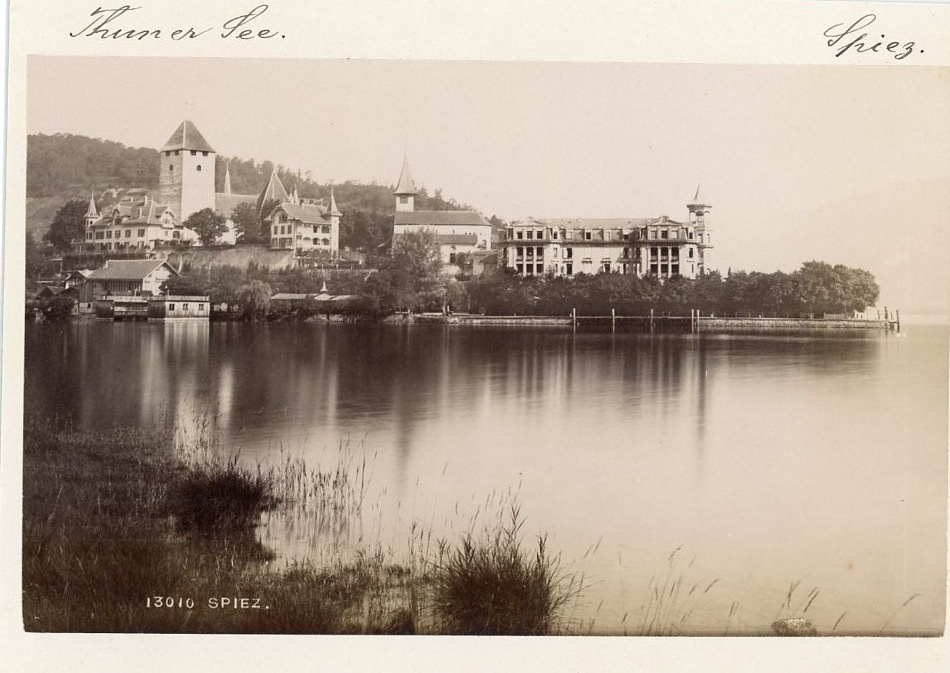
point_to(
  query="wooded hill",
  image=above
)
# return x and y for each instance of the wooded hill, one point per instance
(61, 167)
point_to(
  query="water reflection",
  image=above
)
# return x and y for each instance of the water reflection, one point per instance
(772, 457)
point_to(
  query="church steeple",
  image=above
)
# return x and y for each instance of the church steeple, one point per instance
(227, 178)
(91, 212)
(405, 191)
(332, 210)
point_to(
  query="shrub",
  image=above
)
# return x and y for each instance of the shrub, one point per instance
(491, 587)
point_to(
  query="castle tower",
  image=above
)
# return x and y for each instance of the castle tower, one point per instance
(186, 180)
(406, 191)
(697, 217)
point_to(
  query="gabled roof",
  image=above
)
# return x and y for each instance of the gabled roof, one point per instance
(187, 137)
(406, 185)
(128, 269)
(440, 218)
(303, 212)
(274, 189)
(225, 204)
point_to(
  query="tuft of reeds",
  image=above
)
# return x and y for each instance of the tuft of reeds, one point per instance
(672, 599)
(490, 586)
(221, 496)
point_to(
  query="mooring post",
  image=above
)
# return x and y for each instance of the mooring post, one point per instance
(613, 319)
(651, 320)
(897, 311)
(573, 318)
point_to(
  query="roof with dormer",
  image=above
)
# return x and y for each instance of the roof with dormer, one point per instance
(306, 213)
(593, 222)
(440, 218)
(187, 137)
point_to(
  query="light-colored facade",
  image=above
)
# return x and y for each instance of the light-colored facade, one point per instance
(308, 227)
(658, 246)
(129, 277)
(135, 224)
(458, 232)
(179, 307)
(186, 180)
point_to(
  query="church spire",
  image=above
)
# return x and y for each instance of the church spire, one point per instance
(405, 191)
(227, 178)
(332, 210)
(92, 213)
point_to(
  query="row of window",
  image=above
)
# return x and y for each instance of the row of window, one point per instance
(184, 307)
(194, 153)
(197, 167)
(289, 229)
(649, 233)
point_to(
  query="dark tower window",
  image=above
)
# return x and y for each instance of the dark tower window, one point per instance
(199, 167)
(170, 167)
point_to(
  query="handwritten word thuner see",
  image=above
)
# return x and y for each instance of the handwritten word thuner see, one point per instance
(105, 25)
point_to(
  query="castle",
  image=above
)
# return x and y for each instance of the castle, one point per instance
(144, 222)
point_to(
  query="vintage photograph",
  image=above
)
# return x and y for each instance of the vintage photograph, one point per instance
(419, 347)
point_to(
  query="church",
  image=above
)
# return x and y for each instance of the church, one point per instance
(143, 221)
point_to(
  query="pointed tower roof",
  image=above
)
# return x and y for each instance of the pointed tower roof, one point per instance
(274, 189)
(187, 137)
(406, 186)
(227, 178)
(332, 210)
(697, 200)
(295, 197)
(92, 212)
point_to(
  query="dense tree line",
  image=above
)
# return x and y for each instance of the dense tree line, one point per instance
(71, 165)
(816, 288)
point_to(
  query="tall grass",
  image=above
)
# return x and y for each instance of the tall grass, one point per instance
(490, 586)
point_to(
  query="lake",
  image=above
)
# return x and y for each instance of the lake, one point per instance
(744, 478)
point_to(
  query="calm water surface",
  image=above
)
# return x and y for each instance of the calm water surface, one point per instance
(764, 461)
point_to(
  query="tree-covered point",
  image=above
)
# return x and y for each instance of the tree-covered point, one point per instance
(816, 288)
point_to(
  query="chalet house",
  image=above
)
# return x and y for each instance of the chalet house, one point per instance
(456, 231)
(130, 277)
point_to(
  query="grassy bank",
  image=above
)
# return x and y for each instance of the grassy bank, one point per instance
(121, 534)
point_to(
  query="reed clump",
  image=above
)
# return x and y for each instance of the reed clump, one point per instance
(221, 496)
(490, 586)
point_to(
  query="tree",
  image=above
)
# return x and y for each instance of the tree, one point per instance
(68, 224)
(207, 224)
(38, 262)
(254, 298)
(417, 254)
(247, 223)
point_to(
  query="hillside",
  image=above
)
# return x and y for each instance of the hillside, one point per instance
(62, 167)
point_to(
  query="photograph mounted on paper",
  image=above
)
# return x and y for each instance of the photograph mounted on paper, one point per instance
(419, 347)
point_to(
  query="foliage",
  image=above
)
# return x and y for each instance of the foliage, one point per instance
(57, 307)
(70, 164)
(183, 286)
(68, 224)
(208, 224)
(254, 298)
(247, 223)
(491, 587)
(39, 262)
(221, 496)
(412, 279)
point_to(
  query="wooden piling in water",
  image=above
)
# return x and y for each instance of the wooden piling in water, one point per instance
(613, 320)
(898, 319)
(651, 321)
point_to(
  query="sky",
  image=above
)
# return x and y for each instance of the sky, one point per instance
(798, 162)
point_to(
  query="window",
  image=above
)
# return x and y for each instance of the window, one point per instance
(141, 232)
(520, 252)
(554, 234)
(108, 234)
(128, 233)
(176, 234)
(198, 168)
(89, 235)
(539, 269)
(606, 267)
(171, 307)
(530, 235)
(403, 200)
(568, 253)
(184, 307)
(451, 258)
(204, 154)
(664, 234)
(690, 255)
(587, 236)
(201, 307)
(194, 153)
(519, 235)
(569, 269)
(176, 153)
(168, 153)
(540, 235)
(689, 233)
